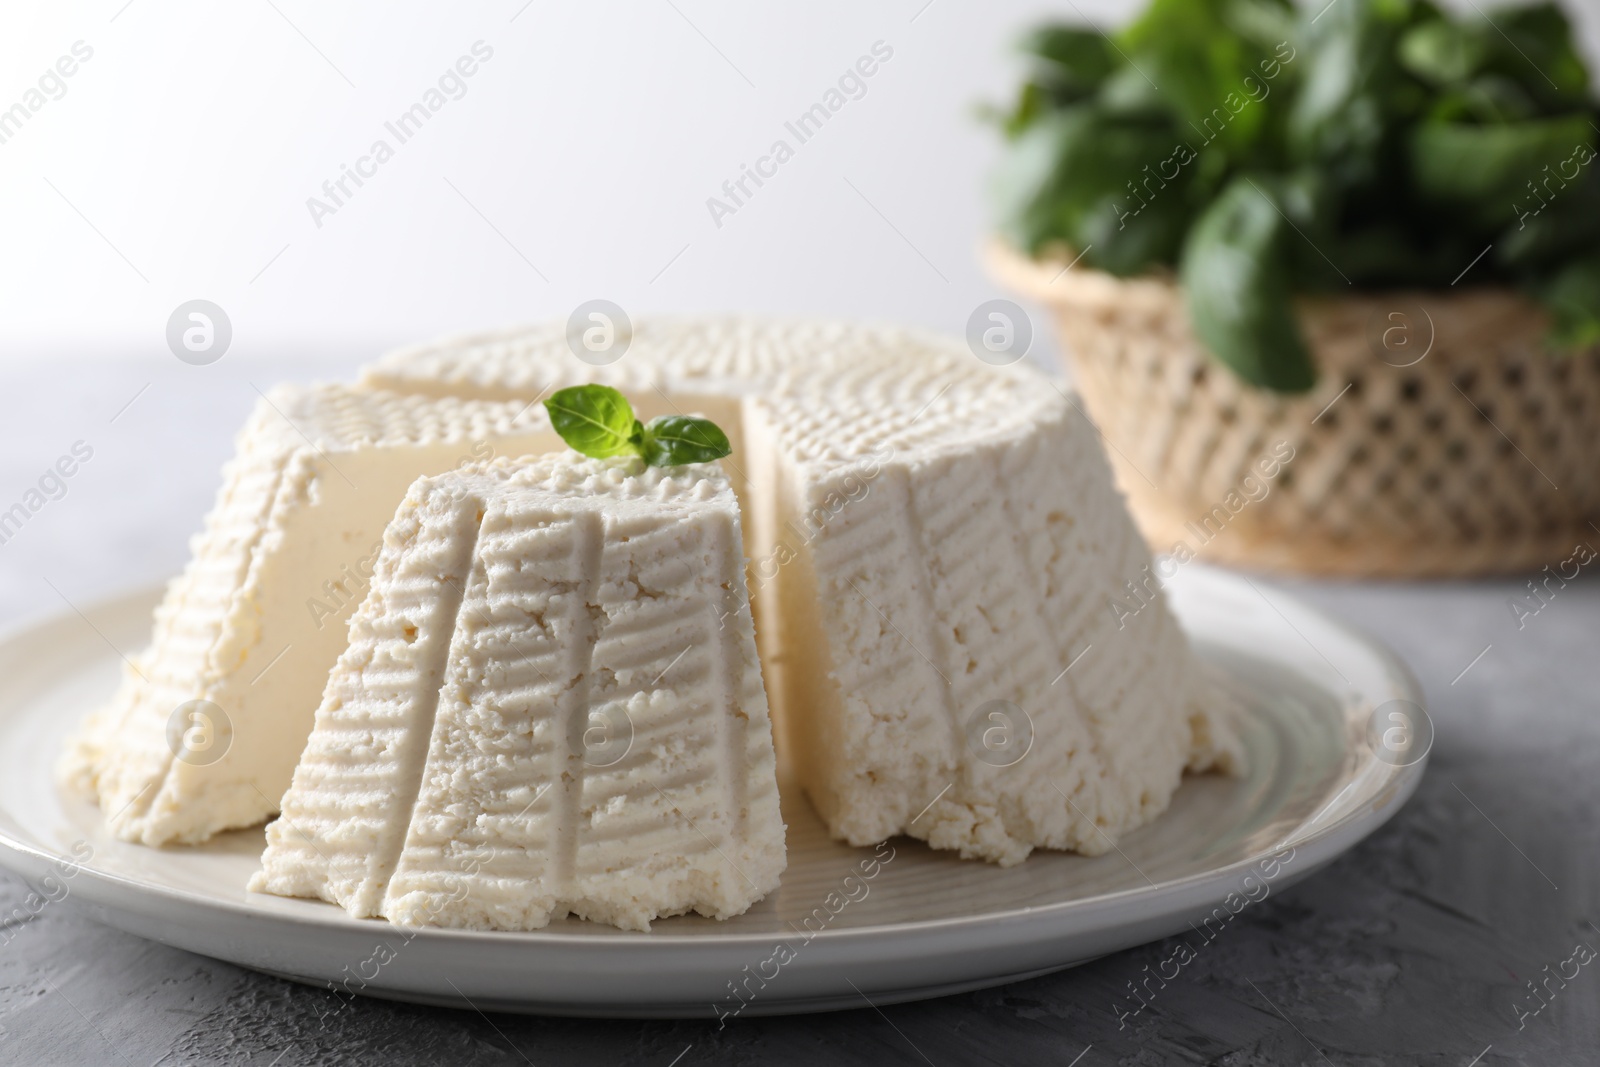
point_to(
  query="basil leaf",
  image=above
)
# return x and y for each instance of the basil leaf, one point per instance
(595, 420)
(1072, 62)
(676, 439)
(1200, 63)
(1127, 94)
(1486, 170)
(1030, 105)
(1573, 298)
(1538, 51)
(1236, 283)
(1444, 52)
(1101, 183)
(1354, 93)
(1126, 236)
(1264, 23)
(1385, 254)
(1026, 190)
(1490, 98)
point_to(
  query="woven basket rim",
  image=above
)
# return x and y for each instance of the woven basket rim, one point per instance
(1482, 319)
(1053, 279)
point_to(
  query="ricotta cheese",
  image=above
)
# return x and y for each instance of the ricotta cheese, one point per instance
(205, 730)
(550, 704)
(956, 624)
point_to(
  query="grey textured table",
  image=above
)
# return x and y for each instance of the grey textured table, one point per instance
(1413, 949)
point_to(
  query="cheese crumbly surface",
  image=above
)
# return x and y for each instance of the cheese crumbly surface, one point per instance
(204, 733)
(954, 612)
(551, 704)
(960, 634)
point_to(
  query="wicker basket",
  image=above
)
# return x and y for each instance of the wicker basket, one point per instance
(1439, 439)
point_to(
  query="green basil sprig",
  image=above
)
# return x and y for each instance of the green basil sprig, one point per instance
(598, 421)
(1263, 150)
(1235, 278)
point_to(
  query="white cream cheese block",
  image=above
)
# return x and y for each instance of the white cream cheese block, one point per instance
(958, 625)
(550, 704)
(204, 733)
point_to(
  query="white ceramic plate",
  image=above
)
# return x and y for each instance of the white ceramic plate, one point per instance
(924, 923)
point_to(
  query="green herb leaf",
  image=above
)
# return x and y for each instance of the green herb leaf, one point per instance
(598, 421)
(1031, 103)
(1573, 297)
(1100, 183)
(1235, 278)
(1562, 225)
(595, 420)
(1488, 170)
(1201, 64)
(1490, 98)
(1444, 52)
(1354, 92)
(1534, 45)
(675, 439)
(1072, 62)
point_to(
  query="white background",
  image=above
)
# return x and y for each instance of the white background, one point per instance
(590, 141)
(178, 164)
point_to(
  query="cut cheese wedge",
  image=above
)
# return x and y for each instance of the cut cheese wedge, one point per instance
(205, 731)
(550, 705)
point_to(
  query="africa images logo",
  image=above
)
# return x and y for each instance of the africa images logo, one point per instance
(451, 85)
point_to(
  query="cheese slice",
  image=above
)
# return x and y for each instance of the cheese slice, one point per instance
(205, 731)
(961, 635)
(550, 705)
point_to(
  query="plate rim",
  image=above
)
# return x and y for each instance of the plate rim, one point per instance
(1323, 842)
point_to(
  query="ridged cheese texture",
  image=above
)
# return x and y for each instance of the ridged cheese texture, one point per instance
(550, 704)
(252, 626)
(942, 573)
(958, 622)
